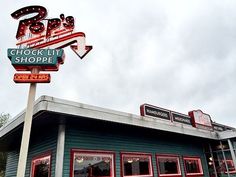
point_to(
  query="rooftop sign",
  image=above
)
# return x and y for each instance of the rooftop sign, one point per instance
(155, 112)
(181, 118)
(194, 118)
(201, 120)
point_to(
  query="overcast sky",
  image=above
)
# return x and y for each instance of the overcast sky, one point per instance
(179, 55)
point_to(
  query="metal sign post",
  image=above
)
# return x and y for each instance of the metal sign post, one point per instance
(27, 128)
(40, 49)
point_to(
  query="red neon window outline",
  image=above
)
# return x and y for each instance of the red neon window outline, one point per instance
(190, 160)
(134, 156)
(39, 159)
(168, 157)
(80, 155)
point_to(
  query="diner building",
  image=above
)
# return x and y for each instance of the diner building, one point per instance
(70, 139)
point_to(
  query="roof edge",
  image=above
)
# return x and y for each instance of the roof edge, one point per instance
(52, 104)
(39, 105)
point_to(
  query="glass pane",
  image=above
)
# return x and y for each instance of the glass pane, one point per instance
(192, 166)
(216, 146)
(229, 162)
(41, 167)
(136, 165)
(225, 145)
(220, 167)
(234, 143)
(210, 163)
(206, 147)
(91, 165)
(168, 165)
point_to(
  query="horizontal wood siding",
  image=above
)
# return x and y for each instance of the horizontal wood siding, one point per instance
(12, 162)
(124, 138)
(47, 145)
(45, 142)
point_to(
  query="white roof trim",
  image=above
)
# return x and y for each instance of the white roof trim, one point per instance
(227, 134)
(46, 103)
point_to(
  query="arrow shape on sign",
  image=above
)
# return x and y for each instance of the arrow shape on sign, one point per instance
(79, 37)
(81, 49)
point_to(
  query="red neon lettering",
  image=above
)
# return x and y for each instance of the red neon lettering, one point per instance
(43, 77)
(53, 28)
(52, 25)
(32, 78)
(34, 24)
(69, 23)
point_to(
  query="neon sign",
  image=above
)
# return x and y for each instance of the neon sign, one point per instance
(32, 78)
(40, 41)
(38, 32)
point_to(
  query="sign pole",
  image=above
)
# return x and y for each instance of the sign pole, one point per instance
(27, 128)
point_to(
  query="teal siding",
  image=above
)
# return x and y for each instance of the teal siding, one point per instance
(128, 139)
(40, 144)
(12, 162)
(107, 136)
(47, 145)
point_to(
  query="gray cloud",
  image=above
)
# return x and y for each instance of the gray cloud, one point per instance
(174, 55)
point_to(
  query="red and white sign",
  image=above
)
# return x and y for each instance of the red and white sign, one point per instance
(39, 37)
(38, 32)
(201, 120)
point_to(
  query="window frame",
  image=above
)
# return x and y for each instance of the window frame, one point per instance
(227, 161)
(95, 152)
(38, 157)
(168, 156)
(198, 159)
(135, 154)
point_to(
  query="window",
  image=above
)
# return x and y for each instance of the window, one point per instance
(230, 166)
(135, 164)
(168, 165)
(41, 166)
(193, 166)
(92, 164)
